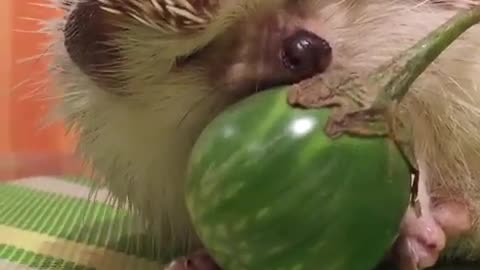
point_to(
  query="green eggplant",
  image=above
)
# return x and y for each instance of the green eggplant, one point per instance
(279, 181)
(270, 190)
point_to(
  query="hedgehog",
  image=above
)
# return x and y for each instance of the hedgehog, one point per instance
(138, 80)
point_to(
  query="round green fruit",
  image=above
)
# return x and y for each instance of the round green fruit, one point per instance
(267, 189)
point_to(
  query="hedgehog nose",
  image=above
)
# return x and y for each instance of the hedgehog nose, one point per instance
(305, 54)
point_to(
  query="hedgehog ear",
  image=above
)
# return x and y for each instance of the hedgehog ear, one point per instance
(88, 35)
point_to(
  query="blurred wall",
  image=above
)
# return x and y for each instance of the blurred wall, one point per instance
(21, 114)
(27, 148)
(5, 72)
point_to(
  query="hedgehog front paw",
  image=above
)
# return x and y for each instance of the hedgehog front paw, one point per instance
(420, 244)
(199, 260)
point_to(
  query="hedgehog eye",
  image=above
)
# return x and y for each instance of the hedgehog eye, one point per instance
(305, 54)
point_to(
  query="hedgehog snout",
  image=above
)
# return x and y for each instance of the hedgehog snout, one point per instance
(305, 54)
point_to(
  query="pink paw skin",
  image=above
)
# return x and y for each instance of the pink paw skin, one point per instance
(423, 238)
(199, 260)
(420, 243)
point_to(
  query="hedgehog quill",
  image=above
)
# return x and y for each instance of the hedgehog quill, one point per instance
(140, 79)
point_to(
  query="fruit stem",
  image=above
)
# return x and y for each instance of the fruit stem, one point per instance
(396, 77)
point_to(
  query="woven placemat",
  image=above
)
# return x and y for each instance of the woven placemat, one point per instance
(55, 223)
(52, 223)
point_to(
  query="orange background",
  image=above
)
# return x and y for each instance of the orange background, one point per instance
(21, 137)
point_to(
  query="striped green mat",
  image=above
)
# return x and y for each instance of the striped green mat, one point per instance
(50, 223)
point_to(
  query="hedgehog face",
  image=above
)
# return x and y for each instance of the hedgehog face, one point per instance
(238, 46)
(259, 48)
